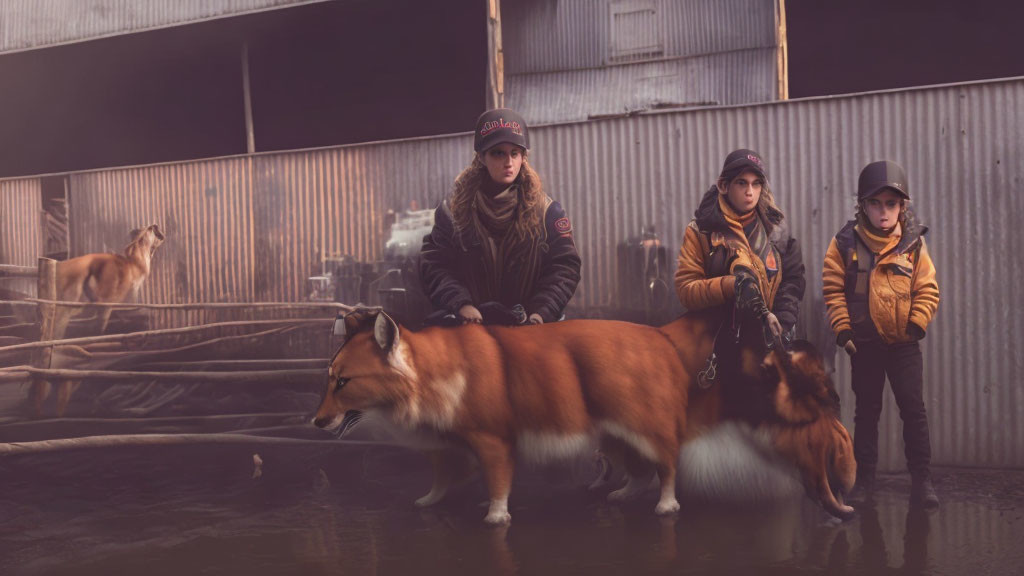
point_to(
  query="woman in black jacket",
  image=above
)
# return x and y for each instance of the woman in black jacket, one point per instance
(501, 251)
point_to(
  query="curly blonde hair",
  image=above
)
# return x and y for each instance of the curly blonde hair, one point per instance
(907, 219)
(531, 192)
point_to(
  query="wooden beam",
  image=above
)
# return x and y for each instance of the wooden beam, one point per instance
(18, 448)
(15, 270)
(29, 430)
(154, 420)
(239, 364)
(495, 86)
(782, 50)
(247, 377)
(188, 351)
(250, 134)
(112, 360)
(129, 336)
(192, 306)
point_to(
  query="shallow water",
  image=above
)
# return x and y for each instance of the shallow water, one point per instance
(331, 508)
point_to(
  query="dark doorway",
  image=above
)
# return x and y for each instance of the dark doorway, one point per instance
(54, 190)
(321, 74)
(844, 47)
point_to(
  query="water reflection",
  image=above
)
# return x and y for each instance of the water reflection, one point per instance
(878, 553)
(350, 512)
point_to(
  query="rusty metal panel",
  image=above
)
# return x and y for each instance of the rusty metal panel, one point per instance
(204, 209)
(26, 24)
(736, 77)
(21, 229)
(562, 35)
(334, 202)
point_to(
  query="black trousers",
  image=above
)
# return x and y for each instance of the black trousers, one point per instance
(903, 364)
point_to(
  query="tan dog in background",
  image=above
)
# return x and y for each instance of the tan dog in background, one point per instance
(112, 278)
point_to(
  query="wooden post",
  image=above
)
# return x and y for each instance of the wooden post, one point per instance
(46, 284)
(47, 289)
(495, 89)
(782, 50)
(250, 136)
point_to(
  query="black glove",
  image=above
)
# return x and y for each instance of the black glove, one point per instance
(915, 331)
(496, 313)
(845, 341)
(748, 298)
(748, 295)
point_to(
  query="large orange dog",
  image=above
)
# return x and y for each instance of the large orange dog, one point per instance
(112, 278)
(550, 390)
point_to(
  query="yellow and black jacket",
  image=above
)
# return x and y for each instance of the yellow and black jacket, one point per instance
(715, 244)
(875, 285)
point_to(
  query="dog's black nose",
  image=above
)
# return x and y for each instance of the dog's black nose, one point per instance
(320, 422)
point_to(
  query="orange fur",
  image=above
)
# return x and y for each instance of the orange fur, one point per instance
(808, 430)
(505, 392)
(112, 278)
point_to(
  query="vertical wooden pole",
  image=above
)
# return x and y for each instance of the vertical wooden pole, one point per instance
(47, 290)
(250, 136)
(782, 49)
(495, 89)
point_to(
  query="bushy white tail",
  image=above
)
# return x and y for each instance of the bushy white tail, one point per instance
(734, 463)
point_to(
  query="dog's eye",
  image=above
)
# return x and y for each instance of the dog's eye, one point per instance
(340, 382)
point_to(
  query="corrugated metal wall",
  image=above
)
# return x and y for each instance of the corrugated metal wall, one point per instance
(334, 202)
(561, 35)
(21, 229)
(255, 228)
(737, 77)
(28, 24)
(963, 146)
(205, 210)
(559, 67)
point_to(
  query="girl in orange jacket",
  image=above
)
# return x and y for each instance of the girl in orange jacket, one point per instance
(881, 294)
(736, 250)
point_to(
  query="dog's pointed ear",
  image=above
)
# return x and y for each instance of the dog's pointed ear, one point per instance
(135, 233)
(353, 321)
(385, 331)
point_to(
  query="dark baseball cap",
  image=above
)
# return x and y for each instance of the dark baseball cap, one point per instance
(743, 159)
(880, 175)
(499, 126)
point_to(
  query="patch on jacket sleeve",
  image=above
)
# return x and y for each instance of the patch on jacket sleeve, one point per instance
(563, 226)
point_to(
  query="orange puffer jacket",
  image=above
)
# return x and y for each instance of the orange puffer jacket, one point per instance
(901, 288)
(704, 277)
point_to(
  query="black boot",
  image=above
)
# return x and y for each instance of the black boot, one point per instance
(863, 489)
(922, 493)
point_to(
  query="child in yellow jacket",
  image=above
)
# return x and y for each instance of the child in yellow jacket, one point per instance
(881, 294)
(737, 250)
